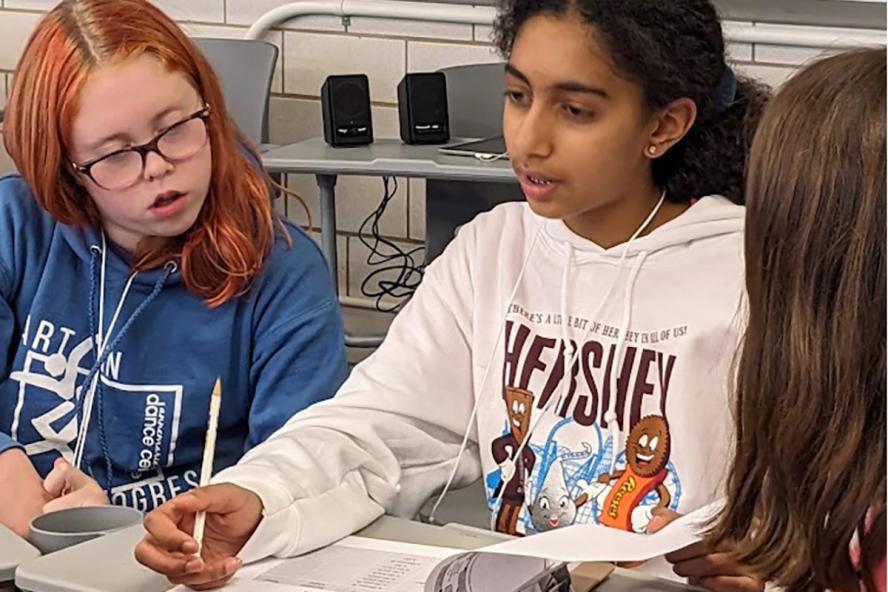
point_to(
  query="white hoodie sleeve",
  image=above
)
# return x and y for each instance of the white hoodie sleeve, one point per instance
(387, 440)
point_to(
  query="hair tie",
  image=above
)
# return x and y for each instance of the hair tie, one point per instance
(726, 93)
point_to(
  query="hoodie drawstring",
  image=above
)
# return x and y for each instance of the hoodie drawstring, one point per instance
(93, 383)
(84, 402)
(567, 356)
(611, 416)
(493, 351)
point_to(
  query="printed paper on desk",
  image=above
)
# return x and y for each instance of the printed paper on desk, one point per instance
(592, 542)
(370, 565)
(357, 564)
(352, 565)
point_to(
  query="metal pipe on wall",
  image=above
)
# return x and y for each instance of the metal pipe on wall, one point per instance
(770, 34)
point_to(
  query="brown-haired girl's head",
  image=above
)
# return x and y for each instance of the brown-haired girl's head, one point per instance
(809, 473)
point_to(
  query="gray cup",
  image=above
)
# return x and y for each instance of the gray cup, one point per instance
(56, 530)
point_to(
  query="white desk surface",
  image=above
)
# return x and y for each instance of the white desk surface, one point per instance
(13, 550)
(107, 564)
(384, 157)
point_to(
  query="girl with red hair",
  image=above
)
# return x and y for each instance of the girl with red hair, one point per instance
(140, 258)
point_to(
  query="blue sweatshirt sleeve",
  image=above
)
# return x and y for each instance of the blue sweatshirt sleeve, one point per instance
(7, 328)
(299, 347)
(7, 325)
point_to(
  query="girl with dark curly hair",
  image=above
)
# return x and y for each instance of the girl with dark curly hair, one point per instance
(579, 345)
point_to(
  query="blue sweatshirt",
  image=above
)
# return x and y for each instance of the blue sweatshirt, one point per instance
(277, 349)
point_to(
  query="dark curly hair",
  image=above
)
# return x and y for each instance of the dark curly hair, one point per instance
(673, 49)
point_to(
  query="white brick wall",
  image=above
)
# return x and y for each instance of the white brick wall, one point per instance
(201, 11)
(30, 4)
(312, 48)
(410, 29)
(15, 28)
(424, 57)
(311, 57)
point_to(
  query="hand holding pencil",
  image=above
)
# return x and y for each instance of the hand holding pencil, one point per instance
(222, 518)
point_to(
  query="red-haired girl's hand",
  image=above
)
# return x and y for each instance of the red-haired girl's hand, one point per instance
(704, 566)
(22, 495)
(70, 487)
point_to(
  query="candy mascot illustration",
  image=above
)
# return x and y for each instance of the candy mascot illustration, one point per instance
(647, 457)
(515, 471)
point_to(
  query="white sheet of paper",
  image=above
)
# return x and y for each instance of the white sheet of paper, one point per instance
(354, 564)
(592, 542)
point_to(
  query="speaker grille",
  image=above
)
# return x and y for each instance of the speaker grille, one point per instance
(351, 101)
(429, 99)
(422, 108)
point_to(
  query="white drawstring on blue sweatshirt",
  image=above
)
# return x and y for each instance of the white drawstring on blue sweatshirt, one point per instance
(105, 343)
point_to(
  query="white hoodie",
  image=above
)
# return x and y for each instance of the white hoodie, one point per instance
(485, 330)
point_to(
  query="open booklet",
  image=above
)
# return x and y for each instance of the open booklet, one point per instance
(570, 558)
(357, 564)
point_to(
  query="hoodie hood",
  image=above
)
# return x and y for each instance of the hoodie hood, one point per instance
(711, 216)
(84, 241)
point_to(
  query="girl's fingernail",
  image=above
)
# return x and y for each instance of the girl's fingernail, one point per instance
(194, 565)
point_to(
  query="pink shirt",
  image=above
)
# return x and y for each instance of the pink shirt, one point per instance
(879, 569)
(880, 575)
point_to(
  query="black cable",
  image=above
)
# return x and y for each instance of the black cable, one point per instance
(385, 252)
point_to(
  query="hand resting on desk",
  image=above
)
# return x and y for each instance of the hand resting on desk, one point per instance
(233, 513)
(69, 487)
(22, 495)
(704, 566)
(64, 487)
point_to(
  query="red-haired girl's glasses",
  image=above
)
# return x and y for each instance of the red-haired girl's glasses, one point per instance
(123, 168)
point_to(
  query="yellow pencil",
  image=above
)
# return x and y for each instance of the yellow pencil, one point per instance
(206, 466)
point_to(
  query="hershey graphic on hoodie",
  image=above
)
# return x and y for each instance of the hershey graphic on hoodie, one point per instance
(590, 385)
(66, 295)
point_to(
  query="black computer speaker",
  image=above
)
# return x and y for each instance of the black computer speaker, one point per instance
(422, 108)
(345, 103)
